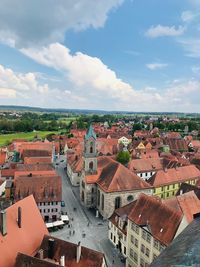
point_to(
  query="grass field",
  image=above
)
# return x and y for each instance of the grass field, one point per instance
(4, 138)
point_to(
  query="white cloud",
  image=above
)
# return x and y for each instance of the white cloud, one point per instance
(155, 66)
(159, 31)
(196, 69)
(24, 23)
(95, 86)
(7, 93)
(191, 46)
(188, 16)
(20, 82)
(81, 69)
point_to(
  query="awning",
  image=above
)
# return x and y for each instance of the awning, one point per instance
(58, 223)
(64, 218)
(49, 225)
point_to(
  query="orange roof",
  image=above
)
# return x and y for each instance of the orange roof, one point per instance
(174, 175)
(102, 162)
(161, 220)
(2, 157)
(187, 203)
(142, 165)
(44, 188)
(25, 239)
(38, 173)
(37, 160)
(115, 178)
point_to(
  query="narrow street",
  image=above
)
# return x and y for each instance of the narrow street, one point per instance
(89, 230)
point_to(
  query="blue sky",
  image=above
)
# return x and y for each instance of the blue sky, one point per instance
(133, 55)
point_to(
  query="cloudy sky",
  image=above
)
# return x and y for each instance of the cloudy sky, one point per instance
(133, 55)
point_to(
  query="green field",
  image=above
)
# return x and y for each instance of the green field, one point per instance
(4, 138)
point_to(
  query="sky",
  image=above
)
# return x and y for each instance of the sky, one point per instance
(125, 55)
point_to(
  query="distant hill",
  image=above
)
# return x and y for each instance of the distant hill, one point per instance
(86, 111)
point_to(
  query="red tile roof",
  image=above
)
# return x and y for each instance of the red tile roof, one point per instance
(187, 203)
(26, 239)
(115, 178)
(145, 165)
(43, 188)
(89, 257)
(161, 220)
(37, 160)
(174, 175)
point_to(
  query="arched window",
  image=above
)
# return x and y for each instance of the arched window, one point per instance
(102, 201)
(91, 149)
(117, 202)
(91, 165)
(130, 198)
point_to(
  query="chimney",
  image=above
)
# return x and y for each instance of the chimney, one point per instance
(3, 222)
(78, 252)
(62, 260)
(51, 244)
(19, 217)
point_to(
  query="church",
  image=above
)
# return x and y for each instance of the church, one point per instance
(105, 183)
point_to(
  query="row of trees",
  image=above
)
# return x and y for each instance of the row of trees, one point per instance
(28, 125)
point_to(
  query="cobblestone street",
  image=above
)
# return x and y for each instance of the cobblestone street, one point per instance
(91, 231)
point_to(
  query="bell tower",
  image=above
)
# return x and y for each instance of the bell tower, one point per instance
(90, 152)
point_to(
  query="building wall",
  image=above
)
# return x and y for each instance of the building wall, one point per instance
(75, 177)
(170, 190)
(50, 209)
(146, 175)
(115, 235)
(142, 247)
(109, 200)
(88, 194)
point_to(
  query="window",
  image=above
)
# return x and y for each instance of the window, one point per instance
(156, 244)
(111, 236)
(140, 174)
(44, 210)
(132, 239)
(117, 202)
(92, 190)
(91, 148)
(147, 252)
(98, 198)
(131, 253)
(167, 194)
(146, 173)
(148, 238)
(162, 188)
(130, 198)
(168, 187)
(114, 239)
(136, 243)
(91, 165)
(102, 201)
(144, 234)
(83, 185)
(135, 257)
(173, 185)
(125, 250)
(48, 210)
(142, 248)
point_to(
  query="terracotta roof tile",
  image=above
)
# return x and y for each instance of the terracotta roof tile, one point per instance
(43, 188)
(26, 239)
(161, 220)
(174, 175)
(115, 177)
(145, 165)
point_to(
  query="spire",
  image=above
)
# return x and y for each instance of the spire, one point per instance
(90, 133)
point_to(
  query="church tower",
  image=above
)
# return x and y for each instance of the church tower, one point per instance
(90, 152)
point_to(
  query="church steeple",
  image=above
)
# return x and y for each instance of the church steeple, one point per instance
(90, 153)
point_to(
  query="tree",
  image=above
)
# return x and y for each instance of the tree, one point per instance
(123, 157)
